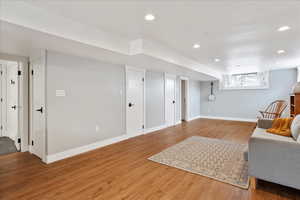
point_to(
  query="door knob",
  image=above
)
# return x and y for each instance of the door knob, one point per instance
(14, 107)
(40, 110)
(173, 101)
(130, 104)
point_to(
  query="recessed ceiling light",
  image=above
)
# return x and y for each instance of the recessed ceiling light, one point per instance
(196, 46)
(281, 51)
(283, 28)
(217, 60)
(149, 17)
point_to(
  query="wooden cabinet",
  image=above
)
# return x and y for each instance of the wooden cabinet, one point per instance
(295, 104)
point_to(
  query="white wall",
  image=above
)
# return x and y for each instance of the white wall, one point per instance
(155, 101)
(95, 96)
(246, 103)
(194, 94)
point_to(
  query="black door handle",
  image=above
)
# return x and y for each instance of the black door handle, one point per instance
(14, 107)
(130, 104)
(173, 101)
(40, 110)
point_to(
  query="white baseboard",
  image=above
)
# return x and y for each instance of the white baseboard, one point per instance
(25, 148)
(149, 130)
(192, 118)
(229, 118)
(72, 152)
(179, 122)
(75, 151)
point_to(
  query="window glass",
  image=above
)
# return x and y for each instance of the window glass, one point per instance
(256, 80)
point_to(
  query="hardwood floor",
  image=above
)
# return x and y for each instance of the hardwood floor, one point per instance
(122, 171)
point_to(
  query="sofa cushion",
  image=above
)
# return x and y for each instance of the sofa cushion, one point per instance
(260, 133)
(264, 123)
(295, 127)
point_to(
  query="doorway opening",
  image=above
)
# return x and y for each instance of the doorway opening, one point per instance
(10, 137)
(184, 99)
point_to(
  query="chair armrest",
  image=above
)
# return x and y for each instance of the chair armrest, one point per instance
(264, 123)
(265, 112)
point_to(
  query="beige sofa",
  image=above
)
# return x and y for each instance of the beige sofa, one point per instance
(273, 158)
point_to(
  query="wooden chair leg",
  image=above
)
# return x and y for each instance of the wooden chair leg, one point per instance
(253, 183)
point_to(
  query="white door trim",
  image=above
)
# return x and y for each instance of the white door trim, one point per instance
(165, 111)
(24, 98)
(187, 97)
(127, 68)
(22, 107)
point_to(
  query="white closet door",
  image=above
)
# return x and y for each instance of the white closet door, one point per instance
(38, 109)
(170, 96)
(2, 99)
(12, 97)
(135, 101)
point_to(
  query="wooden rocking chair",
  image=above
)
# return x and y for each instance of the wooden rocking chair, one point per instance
(274, 110)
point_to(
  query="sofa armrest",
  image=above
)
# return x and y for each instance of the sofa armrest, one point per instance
(264, 123)
(274, 158)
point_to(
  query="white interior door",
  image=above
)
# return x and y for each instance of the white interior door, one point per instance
(170, 96)
(12, 99)
(3, 113)
(1, 126)
(38, 109)
(134, 100)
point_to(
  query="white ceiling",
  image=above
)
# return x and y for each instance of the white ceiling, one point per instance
(243, 34)
(18, 40)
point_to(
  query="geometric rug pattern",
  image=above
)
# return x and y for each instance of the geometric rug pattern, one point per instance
(214, 158)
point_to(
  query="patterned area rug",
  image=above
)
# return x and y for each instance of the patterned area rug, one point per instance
(214, 158)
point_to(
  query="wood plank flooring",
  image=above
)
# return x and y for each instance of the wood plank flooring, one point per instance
(121, 171)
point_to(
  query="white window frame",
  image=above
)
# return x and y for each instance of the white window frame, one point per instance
(265, 86)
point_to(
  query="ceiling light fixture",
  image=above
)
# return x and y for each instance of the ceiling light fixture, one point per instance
(283, 28)
(196, 46)
(149, 17)
(281, 51)
(217, 60)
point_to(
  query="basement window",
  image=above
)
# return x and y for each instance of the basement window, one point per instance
(254, 80)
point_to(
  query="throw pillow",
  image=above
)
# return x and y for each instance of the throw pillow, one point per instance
(295, 127)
